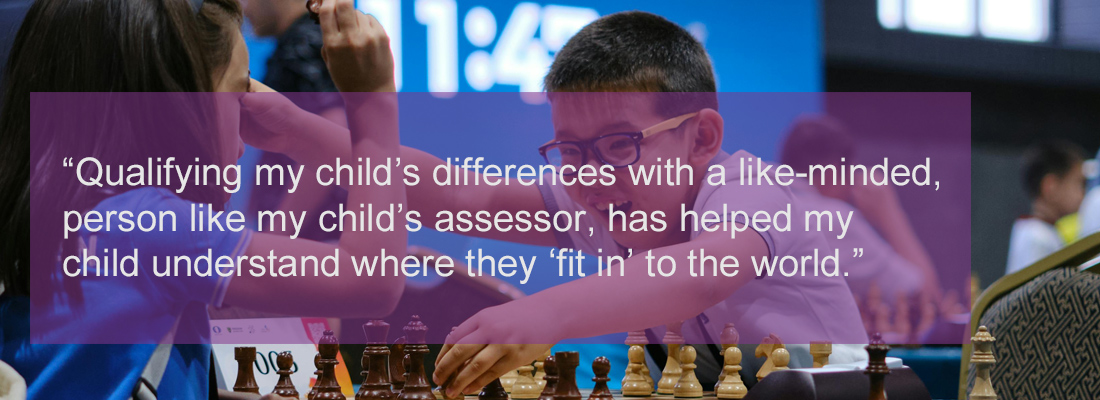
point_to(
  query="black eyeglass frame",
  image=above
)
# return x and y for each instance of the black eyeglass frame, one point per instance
(587, 146)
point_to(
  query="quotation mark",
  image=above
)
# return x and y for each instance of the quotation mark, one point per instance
(857, 252)
(67, 162)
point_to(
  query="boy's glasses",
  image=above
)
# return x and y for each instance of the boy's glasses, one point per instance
(615, 149)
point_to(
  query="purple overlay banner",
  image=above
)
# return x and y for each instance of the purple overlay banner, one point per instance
(802, 217)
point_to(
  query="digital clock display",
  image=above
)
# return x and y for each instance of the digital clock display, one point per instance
(448, 46)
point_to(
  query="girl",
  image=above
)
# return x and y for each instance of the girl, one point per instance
(163, 46)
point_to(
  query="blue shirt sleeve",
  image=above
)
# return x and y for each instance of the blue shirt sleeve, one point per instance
(195, 277)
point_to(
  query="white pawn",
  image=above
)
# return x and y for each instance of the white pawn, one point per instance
(782, 359)
(525, 386)
(634, 384)
(671, 374)
(508, 380)
(540, 372)
(731, 386)
(688, 385)
(729, 338)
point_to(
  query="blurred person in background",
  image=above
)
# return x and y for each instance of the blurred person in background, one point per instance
(1054, 178)
(896, 262)
(1089, 216)
(297, 69)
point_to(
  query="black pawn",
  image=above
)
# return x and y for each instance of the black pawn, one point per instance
(285, 387)
(493, 391)
(600, 368)
(549, 366)
(316, 377)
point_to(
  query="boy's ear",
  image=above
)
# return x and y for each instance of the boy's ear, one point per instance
(708, 137)
(1048, 184)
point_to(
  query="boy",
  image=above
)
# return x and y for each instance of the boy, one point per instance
(1055, 181)
(633, 89)
(642, 52)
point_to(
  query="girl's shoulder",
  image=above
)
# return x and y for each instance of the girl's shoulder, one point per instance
(149, 198)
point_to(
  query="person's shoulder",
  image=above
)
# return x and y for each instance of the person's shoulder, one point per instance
(149, 198)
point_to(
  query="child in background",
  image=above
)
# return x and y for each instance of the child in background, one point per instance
(1055, 182)
(1089, 216)
(895, 260)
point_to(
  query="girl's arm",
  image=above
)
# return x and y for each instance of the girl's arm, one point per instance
(358, 55)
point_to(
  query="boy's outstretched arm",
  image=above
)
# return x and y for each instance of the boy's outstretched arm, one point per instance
(499, 339)
(358, 55)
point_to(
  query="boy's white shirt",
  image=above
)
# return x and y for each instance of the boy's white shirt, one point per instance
(752, 308)
(1089, 215)
(1031, 240)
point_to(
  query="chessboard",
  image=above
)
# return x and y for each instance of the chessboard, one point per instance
(553, 377)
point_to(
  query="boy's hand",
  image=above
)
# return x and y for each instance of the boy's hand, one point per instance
(356, 48)
(491, 343)
(467, 368)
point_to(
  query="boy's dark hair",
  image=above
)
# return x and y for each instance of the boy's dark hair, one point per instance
(816, 140)
(635, 51)
(1054, 157)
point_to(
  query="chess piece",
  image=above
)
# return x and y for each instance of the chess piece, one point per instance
(316, 376)
(882, 319)
(688, 385)
(540, 370)
(731, 386)
(671, 374)
(549, 379)
(902, 324)
(766, 349)
(441, 394)
(285, 387)
(782, 359)
(729, 338)
(327, 387)
(876, 367)
(397, 365)
(493, 391)
(927, 315)
(508, 380)
(416, 383)
(600, 368)
(982, 359)
(820, 351)
(525, 386)
(246, 378)
(634, 384)
(376, 376)
(566, 387)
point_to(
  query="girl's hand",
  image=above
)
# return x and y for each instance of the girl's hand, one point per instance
(356, 48)
(268, 119)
